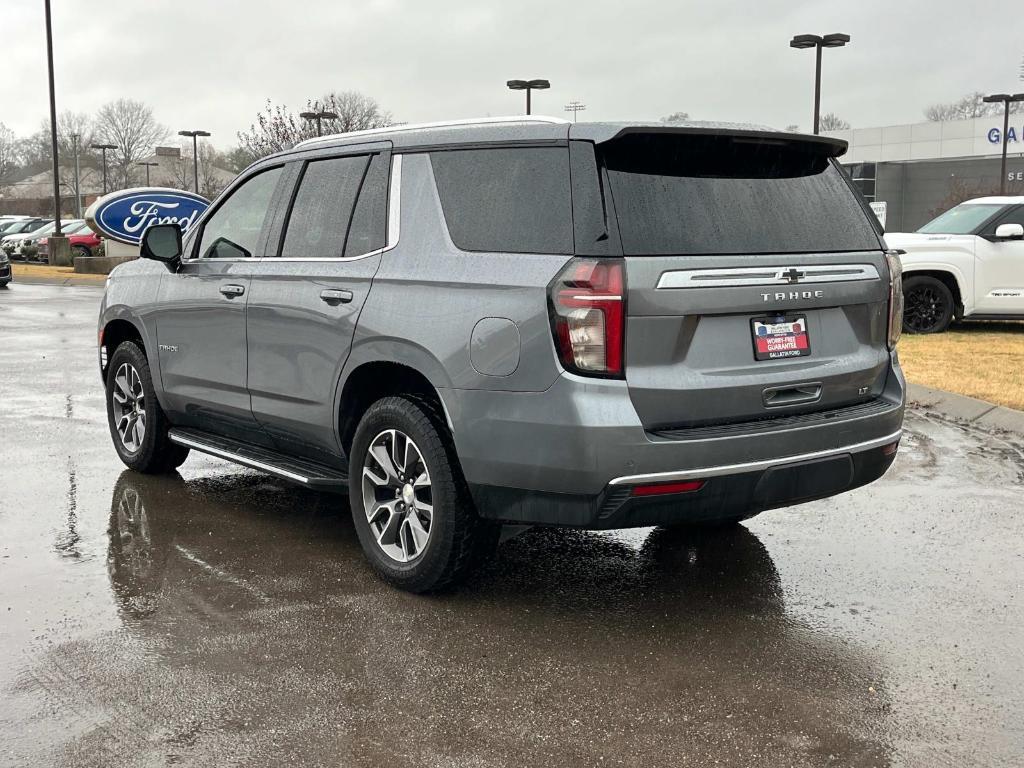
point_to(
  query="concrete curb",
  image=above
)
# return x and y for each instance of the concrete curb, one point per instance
(979, 412)
(90, 281)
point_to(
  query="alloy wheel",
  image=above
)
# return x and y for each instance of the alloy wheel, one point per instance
(129, 401)
(925, 308)
(397, 495)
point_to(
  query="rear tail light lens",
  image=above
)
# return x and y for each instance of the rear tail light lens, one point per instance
(588, 316)
(895, 296)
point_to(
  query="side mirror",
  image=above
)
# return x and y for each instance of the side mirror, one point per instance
(161, 242)
(1009, 232)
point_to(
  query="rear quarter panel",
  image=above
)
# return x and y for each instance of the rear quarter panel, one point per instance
(428, 297)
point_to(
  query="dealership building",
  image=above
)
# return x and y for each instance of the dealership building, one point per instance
(919, 170)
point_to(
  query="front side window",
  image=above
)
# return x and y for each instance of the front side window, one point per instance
(1013, 216)
(510, 200)
(338, 209)
(233, 230)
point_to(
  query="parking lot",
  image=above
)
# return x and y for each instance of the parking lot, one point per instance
(221, 617)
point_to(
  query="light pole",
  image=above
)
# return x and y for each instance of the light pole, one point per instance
(319, 116)
(1006, 100)
(835, 40)
(53, 124)
(103, 148)
(195, 153)
(148, 166)
(529, 86)
(75, 138)
(575, 107)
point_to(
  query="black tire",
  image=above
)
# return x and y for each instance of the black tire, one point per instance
(458, 539)
(80, 250)
(928, 305)
(151, 452)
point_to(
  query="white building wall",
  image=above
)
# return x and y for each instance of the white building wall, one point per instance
(978, 137)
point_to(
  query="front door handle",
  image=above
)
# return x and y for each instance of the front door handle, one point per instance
(334, 296)
(231, 290)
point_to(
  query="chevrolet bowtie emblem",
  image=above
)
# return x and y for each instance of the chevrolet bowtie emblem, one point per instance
(791, 275)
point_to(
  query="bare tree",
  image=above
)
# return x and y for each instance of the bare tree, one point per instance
(277, 128)
(794, 128)
(129, 125)
(356, 112)
(832, 122)
(10, 154)
(971, 105)
(210, 179)
(676, 117)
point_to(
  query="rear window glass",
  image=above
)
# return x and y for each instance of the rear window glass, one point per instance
(509, 199)
(693, 194)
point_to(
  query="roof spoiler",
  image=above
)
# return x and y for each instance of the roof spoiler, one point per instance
(603, 132)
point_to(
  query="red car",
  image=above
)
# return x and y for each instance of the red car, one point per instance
(84, 243)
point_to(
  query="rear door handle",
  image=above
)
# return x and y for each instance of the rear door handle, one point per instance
(334, 296)
(231, 290)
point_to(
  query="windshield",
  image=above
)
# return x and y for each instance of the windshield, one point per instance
(965, 219)
(714, 194)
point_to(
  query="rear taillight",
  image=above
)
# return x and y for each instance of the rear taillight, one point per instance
(588, 316)
(895, 296)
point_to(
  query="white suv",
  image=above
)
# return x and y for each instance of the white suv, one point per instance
(967, 263)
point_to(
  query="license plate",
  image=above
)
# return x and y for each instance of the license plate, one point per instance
(779, 337)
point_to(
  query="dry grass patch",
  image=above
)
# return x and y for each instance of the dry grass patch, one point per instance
(49, 271)
(982, 360)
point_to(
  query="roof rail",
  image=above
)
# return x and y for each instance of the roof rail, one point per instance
(418, 126)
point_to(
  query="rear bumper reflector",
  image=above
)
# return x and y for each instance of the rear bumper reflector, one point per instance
(661, 489)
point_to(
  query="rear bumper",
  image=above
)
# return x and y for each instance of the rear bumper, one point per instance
(571, 456)
(6, 274)
(724, 496)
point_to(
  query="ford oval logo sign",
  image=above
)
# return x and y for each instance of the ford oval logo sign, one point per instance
(126, 214)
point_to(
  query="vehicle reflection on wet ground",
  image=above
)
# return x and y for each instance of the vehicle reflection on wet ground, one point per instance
(221, 617)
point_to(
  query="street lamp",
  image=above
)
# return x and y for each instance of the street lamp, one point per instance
(195, 153)
(148, 166)
(575, 107)
(53, 124)
(835, 40)
(104, 148)
(75, 138)
(1006, 100)
(528, 86)
(319, 116)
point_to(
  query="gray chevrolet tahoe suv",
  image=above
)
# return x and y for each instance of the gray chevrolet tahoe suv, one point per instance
(519, 321)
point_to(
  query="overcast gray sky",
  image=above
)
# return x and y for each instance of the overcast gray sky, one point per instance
(212, 64)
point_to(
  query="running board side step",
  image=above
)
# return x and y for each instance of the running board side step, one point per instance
(302, 471)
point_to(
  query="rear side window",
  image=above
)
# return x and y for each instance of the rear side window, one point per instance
(322, 223)
(506, 199)
(698, 194)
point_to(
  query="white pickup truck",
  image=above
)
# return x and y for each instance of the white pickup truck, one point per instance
(967, 264)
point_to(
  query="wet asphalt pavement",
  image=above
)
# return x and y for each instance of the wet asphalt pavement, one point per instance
(221, 617)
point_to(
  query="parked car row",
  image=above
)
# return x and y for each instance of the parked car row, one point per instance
(26, 238)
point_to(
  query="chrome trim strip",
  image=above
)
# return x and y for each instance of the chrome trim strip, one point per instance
(237, 459)
(771, 276)
(395, 202)
(752, 466)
